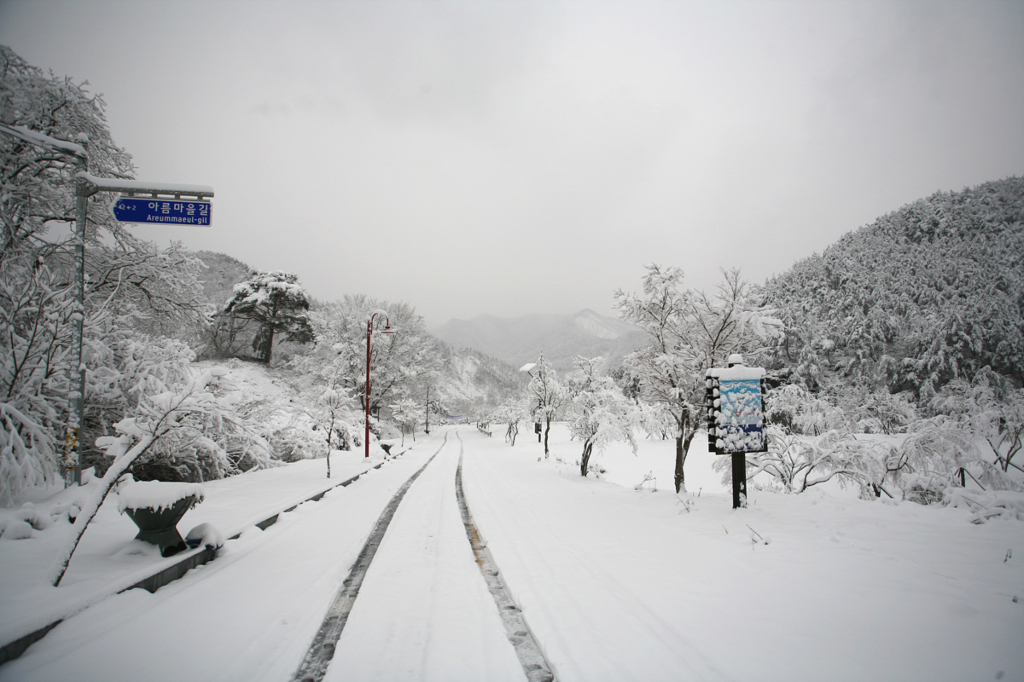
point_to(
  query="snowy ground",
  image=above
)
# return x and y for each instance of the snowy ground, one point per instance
(616, 583)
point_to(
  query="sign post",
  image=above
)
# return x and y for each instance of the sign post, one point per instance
(87, 185)
(735, 416)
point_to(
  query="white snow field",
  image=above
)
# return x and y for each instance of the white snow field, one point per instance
(615, 583)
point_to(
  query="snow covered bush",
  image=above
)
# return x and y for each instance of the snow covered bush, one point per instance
(987, 505)
(943, 449)
(126, 369)
(797, 410)
(928, 466)
(211, 440)
(989, 409)
(796, 462)
(878, 411)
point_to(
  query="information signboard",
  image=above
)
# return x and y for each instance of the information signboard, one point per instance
(162, 211)
(735, 410)
(740, 418)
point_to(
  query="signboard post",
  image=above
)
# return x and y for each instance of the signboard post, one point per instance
(735, 417)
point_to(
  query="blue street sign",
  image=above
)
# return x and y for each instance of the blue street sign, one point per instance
(173, 211)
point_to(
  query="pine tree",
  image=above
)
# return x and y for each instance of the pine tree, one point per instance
(276, 302)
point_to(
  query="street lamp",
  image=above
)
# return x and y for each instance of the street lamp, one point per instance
(369, 332)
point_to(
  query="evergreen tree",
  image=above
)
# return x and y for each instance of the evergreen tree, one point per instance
(276, 302)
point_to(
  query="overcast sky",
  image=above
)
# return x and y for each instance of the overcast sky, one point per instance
(530, 157)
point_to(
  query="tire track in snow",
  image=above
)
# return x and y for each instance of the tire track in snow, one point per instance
(674, 651)
(321, 651)
(530, 656)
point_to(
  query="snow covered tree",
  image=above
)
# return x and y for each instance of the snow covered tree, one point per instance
(277, 304)
(690, 331)
(334, 415)
(39, 184)
(599, 413)
(510, 413)
(924, 295)
(549, 394)
(406, 413)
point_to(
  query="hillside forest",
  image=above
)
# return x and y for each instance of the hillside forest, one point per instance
(895, 359)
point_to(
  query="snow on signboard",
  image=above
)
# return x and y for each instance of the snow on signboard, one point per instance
(739, 416)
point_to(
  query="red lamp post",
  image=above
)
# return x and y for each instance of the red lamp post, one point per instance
(369, 332)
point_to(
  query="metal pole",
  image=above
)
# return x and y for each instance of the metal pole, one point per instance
(427, 428)
(369, 331)
(73, 450)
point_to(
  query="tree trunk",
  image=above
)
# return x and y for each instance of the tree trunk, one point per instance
(547, 430)
(682, 448)
(588, 449)
(263, 344)
(680, 459)
(330, 433)
(270, 345)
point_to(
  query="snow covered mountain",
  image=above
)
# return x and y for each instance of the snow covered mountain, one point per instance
(560, 337)
(928, 293)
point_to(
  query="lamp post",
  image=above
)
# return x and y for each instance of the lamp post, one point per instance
(369, 332)
(427, 426)
(528, 368)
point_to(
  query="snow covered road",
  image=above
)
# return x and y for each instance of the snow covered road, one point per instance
(424, 611)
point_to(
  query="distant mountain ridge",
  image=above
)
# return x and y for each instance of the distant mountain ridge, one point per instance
(520, 340)
(220, 276)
